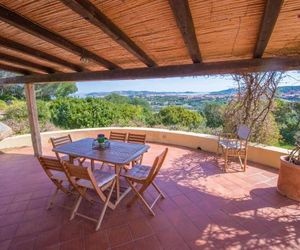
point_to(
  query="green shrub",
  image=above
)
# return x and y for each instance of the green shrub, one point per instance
(71, 113)
(3, 105)
(176, 115)
(16, 116)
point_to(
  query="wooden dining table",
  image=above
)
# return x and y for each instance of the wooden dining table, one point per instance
(118, 154)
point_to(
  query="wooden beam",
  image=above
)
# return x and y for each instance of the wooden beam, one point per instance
(22, 62)
(10, 44)
(24, 24)
(92, 14)
(33, 119)
(214, 68)
(271, 13)
(184, 20)
(15, 69)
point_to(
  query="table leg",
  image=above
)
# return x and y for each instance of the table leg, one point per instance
(120, 196)
(118, 171)
(71, 159)
(93, 165)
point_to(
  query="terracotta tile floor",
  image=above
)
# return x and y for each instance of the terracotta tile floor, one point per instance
(204, 209)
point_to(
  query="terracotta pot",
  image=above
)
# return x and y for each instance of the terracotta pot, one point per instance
(288, 183)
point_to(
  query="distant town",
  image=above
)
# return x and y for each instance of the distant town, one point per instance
(192, 100)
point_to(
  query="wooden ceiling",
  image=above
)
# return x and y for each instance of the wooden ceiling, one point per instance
(126, 39)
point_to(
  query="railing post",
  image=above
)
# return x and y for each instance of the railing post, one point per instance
(33, 119)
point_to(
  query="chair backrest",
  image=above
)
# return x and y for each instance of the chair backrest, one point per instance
(55, 171)
(117, 136)
(50, 164)
(243, 132)
(136, 138)
(73, 171)
(157, 164)
(61, 140)
(82, 174)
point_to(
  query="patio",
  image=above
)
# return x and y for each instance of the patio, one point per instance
(50, 41)
(205, 208)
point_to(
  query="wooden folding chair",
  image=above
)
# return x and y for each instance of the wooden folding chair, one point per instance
(145, 176)
(55, 171)
(117, 136)
(137, 138)
(59, 141)
(83, 179)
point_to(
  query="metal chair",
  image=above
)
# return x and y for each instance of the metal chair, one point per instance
(235, 145)
(59, 141)
(145, 175)
(55, 171)
(83, 179)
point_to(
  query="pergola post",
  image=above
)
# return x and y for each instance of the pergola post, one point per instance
(33, 119)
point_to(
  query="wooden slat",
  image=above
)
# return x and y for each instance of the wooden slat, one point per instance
(185, 23)
(34, 29)
(7, 43)
(33, 119)
(15, 69)
(226, 67)
(92, 14)
(271, 13)
(22, 62)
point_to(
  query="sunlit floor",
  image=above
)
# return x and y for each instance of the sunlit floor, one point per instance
(204, 209)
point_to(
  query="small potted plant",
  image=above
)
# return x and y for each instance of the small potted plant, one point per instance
(101, 142)
(289, 174)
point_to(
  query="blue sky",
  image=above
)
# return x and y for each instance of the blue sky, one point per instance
(195, 84)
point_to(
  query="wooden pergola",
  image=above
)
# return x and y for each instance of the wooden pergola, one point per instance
(84, 40)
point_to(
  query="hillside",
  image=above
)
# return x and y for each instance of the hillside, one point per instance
(286, 92)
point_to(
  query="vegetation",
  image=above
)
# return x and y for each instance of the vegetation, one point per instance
(179, 116)
(273, 121)
(16, 116)
(253, 105)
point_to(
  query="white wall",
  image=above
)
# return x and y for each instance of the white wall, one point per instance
(262, 154)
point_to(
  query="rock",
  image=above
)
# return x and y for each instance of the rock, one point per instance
(5, 131)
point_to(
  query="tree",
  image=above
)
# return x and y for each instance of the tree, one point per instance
(253, 102)
(176, 115)
(287, 116)
(51, 90)
(65, 89)
(118, 99)
(213, 114)
(11, 92)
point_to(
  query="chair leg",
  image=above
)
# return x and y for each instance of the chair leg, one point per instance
(52, 199)
(102, 165)
(81, 161)
(241, 163)
(158, 190)
(135, 197)
(141, 198)
(105, 205)
(245, 162)
(226, 160)
(74, 211)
